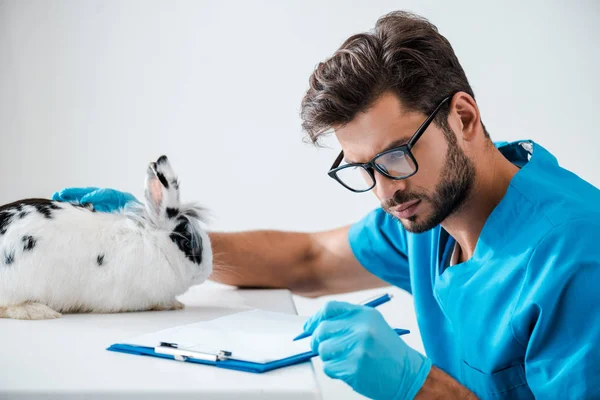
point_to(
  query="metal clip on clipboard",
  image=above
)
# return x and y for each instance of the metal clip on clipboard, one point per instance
(183, 354)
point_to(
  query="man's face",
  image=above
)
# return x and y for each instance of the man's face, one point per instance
(445, 176)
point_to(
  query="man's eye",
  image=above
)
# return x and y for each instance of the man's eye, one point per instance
(396, 155)
(383, 168)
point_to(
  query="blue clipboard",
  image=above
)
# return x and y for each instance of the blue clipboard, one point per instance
(229, 363)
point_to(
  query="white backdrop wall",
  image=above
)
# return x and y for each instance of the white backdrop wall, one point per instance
(91, 91)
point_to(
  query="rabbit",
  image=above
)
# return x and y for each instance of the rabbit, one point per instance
(61, 257)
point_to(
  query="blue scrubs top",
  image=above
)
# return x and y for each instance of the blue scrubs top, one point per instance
(521, 318)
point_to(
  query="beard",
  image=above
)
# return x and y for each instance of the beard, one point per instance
(449, 195)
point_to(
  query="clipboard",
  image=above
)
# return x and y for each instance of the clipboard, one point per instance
(167, 344)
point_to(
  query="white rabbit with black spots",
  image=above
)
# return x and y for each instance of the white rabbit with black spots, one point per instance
(58, 257)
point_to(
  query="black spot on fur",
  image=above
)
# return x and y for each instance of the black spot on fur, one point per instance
(161, 159)
(182, 237)
(86, 206)
(172, 212)
(9, 258)
(175, 184)
(29, 242)
(5, 220)
(7, 211)
(46, 209)
(43, 206)
(162, 179)
(23, 214)
(100, 259)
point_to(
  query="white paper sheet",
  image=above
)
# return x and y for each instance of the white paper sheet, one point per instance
(257, 336)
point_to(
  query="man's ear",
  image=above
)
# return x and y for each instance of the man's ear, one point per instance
(466, 113)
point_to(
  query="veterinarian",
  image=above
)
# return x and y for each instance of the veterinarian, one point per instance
(496, 242)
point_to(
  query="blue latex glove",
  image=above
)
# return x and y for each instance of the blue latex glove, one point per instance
(104, 200)
(358, 346)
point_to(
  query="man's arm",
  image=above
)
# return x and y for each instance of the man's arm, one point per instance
(440, 385)
(309, 264)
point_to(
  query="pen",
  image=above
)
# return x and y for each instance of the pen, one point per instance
(373, 302)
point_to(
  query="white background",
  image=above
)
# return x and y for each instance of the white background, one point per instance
(91, 91)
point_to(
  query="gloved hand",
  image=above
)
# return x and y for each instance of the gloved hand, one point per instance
(358, 346)
(104, 200)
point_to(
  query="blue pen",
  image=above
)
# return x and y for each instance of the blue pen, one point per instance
(368, 303)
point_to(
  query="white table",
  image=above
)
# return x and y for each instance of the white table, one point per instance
(67, 357)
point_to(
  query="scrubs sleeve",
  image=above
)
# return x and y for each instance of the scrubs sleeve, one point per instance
(556, 317)
(379, 243)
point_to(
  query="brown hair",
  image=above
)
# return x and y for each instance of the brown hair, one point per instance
(404, 54)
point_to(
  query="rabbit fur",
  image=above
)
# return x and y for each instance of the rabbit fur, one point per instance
(60, 257)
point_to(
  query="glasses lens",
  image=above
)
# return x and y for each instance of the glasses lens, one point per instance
(356, 178)
(396, 163)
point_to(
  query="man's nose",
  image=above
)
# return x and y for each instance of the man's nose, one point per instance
(385, 188)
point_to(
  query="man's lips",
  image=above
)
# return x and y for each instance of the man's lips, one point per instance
(404, 206)
(405, 210)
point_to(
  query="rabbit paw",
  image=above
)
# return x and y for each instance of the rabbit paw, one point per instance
(172, 305)
(28, 310)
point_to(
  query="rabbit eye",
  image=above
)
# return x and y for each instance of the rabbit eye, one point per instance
(189, 245)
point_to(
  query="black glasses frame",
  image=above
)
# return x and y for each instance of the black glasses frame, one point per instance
(371, 165)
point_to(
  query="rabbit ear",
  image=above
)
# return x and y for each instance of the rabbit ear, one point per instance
(162, 189)
(154, 190)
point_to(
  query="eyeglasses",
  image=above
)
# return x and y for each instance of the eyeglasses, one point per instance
(396, 163)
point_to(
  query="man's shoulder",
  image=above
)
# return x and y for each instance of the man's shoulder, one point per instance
(555, 193)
